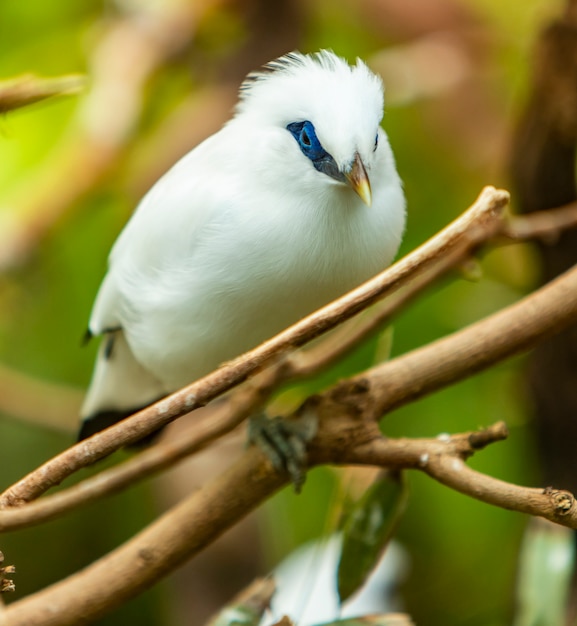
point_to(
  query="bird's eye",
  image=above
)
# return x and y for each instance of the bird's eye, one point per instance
(304, 133)
(376, 142)
(306, 137)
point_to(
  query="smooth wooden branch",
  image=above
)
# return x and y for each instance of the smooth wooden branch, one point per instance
(477, 225)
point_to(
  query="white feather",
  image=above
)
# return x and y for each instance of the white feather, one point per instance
(243, 236)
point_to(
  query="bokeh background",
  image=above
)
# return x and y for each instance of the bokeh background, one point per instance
(163, 74)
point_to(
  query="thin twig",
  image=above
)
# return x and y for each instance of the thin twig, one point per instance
(28, 89)
(545, 225)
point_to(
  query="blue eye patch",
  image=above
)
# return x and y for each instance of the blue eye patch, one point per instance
(304, 133)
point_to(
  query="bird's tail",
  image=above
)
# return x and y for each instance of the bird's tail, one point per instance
(120, 386)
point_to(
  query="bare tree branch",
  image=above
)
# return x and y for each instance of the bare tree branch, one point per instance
(153, 553)
(228, 415)
(477, 225)
(222, 419)
(348, 430)
(157, 459)
(204, 515)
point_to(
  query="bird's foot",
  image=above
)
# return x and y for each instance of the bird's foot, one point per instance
(284, 442)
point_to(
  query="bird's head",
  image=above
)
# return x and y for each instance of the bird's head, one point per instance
(330, 110)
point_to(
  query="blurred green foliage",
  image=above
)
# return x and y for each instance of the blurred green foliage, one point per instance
(368, 528)
(463, 552)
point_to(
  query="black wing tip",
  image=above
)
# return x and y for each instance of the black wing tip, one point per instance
(100, 421)
(104, 419)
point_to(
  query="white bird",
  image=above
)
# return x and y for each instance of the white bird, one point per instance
(294, 202)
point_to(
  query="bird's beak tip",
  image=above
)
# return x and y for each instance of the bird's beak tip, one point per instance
(358, 179)
(364, 192)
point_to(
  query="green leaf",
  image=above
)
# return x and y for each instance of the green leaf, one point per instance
(545, 571)
(368, 528)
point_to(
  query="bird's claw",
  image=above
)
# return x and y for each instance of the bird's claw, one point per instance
(284, 442)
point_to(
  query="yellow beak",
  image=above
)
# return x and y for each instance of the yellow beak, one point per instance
(359, 181)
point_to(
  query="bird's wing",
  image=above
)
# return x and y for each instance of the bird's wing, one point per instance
(120, 386)
(162, 233)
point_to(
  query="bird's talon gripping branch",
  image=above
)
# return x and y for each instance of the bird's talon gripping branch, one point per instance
(284, 442)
